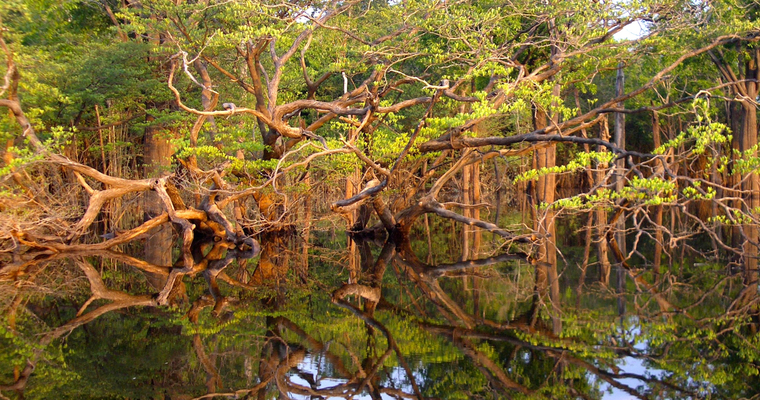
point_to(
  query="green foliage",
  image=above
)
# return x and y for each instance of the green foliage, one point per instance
(639, 191)
(747, 161)
(57, 138)
(700, 137)
(735, 217)
(581, 160)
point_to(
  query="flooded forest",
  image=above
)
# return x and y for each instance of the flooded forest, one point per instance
(379, 199)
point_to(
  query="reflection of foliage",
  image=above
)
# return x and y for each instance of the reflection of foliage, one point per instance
(454, 380)
(18, 346)
(142, 352)
(144, 363)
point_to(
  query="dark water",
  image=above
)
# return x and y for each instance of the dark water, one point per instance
(371, 320)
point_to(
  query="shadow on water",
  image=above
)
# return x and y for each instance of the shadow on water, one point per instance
(249, 320)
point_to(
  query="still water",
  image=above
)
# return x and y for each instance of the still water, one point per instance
(370, 319)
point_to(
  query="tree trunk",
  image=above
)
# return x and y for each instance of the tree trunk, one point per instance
(657, 209)
(158, 245)
(619, 185)
(743, 117)
(546, 266)
(475, 198)
(751, 194)
(307, 217)
(466, 211)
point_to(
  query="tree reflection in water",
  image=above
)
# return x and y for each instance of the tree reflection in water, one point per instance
(79, 325)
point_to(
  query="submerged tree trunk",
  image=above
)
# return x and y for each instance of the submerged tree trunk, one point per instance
(158, 244)
(619, 185)
(751, 195)
(597, 219)
(657, 209)
(547, 281)
(744, 125)
(306, 232)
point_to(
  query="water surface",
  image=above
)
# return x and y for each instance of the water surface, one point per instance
(369, 319)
